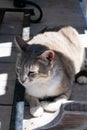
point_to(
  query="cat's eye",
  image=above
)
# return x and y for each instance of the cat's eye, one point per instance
(18, 68)
(31, 73)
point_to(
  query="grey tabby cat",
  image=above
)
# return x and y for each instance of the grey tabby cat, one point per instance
(46, 67)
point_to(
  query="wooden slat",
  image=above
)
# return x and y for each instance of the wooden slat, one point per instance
(5, 113)
(73, 117)
(8, 68)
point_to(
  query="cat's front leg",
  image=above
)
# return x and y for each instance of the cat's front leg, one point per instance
(54, 106)
(35, 107)
(81, 77)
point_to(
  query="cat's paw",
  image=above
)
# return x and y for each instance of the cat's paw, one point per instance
(50, 106)
(36, 111)
(82, 80)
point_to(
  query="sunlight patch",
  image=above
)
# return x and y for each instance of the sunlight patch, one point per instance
(3, 83)
(83, 39)
(5, 49)
(26, 33)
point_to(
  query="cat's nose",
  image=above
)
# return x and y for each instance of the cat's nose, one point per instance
(24, 80)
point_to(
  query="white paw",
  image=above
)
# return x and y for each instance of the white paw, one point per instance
(36, 111)
(50, 107)
(82, 80)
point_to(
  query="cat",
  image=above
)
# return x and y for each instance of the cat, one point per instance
(46, 67)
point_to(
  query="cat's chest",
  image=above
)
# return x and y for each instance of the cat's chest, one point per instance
(43, 87)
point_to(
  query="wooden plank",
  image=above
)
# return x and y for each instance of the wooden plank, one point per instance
(11, 17)
(8, 68)
(60, 12)
(8, 49)
(7, 82)
(10, 28)
(7, 92)
(9, 56)
(7, 75)
(73, 117)
(85, 7)
(5, 113)
(8, 39)
(6, 4)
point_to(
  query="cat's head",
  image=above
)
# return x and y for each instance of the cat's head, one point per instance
(34, 61)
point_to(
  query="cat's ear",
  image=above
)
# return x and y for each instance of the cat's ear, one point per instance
(49, 55)
(21, 44)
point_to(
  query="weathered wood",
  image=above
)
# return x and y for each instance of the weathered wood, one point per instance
(85, 7)
(6, 92)
(60, 12)
(74, 116)
(5, 113)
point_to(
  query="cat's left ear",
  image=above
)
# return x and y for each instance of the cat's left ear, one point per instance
(21, 44)
(49, 55)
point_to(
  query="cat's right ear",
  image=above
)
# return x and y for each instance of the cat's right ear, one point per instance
(21, 44)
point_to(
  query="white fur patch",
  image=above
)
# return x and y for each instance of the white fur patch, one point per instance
(82, 80)
(42, 87)
(36, 111)
(53, 106)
